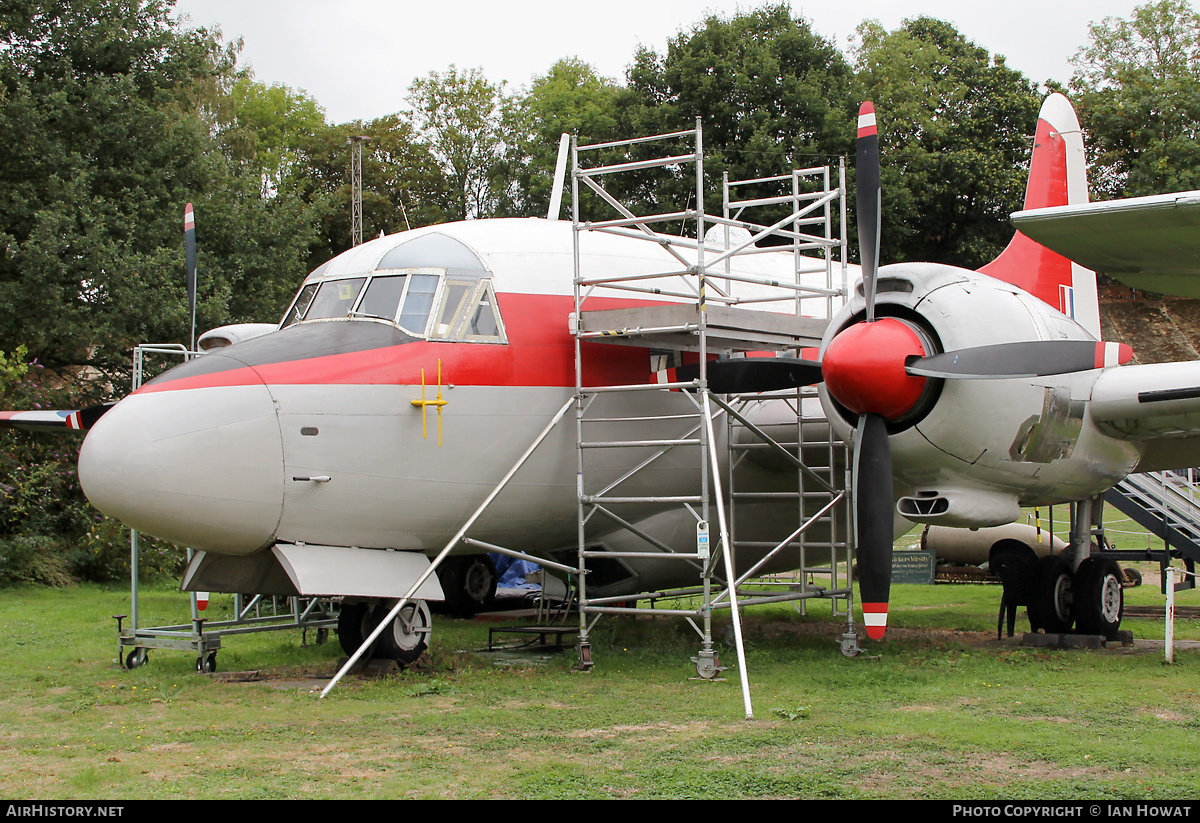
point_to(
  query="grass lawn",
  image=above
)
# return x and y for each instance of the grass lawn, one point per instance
(937, 710)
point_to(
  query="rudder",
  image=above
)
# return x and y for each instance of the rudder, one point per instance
(1057, 177)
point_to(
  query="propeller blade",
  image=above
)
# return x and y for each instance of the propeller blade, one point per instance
(744, 375)
(867, 197)
(873, 520)
(1036, 358)
(189, 262)
(52, 420)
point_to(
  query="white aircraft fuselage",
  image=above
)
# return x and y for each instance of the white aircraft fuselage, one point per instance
(308, 434)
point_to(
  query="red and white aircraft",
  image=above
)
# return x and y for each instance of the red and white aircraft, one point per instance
(299, 459)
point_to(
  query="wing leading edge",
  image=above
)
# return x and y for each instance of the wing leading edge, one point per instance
(1156, 406)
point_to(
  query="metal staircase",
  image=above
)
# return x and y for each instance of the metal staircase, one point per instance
(1167, 504)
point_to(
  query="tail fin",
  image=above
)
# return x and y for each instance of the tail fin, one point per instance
(1057, 177)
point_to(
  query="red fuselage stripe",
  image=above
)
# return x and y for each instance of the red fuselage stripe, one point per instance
(540, 352)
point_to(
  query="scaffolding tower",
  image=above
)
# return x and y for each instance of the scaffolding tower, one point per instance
(713, 299)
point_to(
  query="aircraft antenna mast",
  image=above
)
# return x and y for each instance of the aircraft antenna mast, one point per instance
(356, 217)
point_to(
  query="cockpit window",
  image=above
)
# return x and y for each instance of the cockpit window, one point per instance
(461, 305)
(382, 297)
(483, 325)
(468, 313)
(334, 298)
(300, 305)
(422, 288)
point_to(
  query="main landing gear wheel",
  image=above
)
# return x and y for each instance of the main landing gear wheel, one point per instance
(469, 583)
(408, 636)
(1098, 597)
(353, 626)
(404, 641)
(1050, 600)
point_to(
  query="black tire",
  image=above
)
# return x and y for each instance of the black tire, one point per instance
(469, 584)
(408, 636)
(1099, 597)
(1133, 578)
(353, 625)
(1050, 600)
(136, 658)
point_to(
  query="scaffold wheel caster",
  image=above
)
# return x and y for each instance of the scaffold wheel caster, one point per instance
(849, 645)
(708, 665)
(585, 657)
(207, 665)
(136, 658)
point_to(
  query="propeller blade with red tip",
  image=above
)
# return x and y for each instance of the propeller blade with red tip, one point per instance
(189, 263)
(54, 420)
(867, 197)
(872, 481)
(1036, 358)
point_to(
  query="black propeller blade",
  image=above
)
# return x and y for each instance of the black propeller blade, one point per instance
(867, 196)
(745, 375)
(872, 488)
(1035, 358)
(871, 476)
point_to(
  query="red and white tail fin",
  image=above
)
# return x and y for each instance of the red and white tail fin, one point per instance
(1057, 177)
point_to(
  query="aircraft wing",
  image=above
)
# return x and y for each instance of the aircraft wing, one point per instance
(53, 420)
(1156, 406)
(1150, 243)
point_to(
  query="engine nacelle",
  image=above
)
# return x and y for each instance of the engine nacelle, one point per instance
(971, 452)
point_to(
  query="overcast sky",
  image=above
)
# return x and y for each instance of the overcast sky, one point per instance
(358, 57)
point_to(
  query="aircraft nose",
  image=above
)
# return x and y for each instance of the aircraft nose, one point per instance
(200, 467)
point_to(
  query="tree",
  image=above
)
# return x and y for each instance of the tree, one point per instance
(459, 115)
(268, 127)
(772, 95)
(403, 185)
(955, 128)
(569, 99)
(1137, 88)
(104, 136)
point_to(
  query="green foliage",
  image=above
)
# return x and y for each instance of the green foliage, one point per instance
(106, 131)
(771, 93)
(459, 115)
(49, 533)
(403, 186)
(569, 99)
(955, 130)
(1137, 87)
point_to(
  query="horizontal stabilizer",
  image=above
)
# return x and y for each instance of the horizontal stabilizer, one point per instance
(1150, 243)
